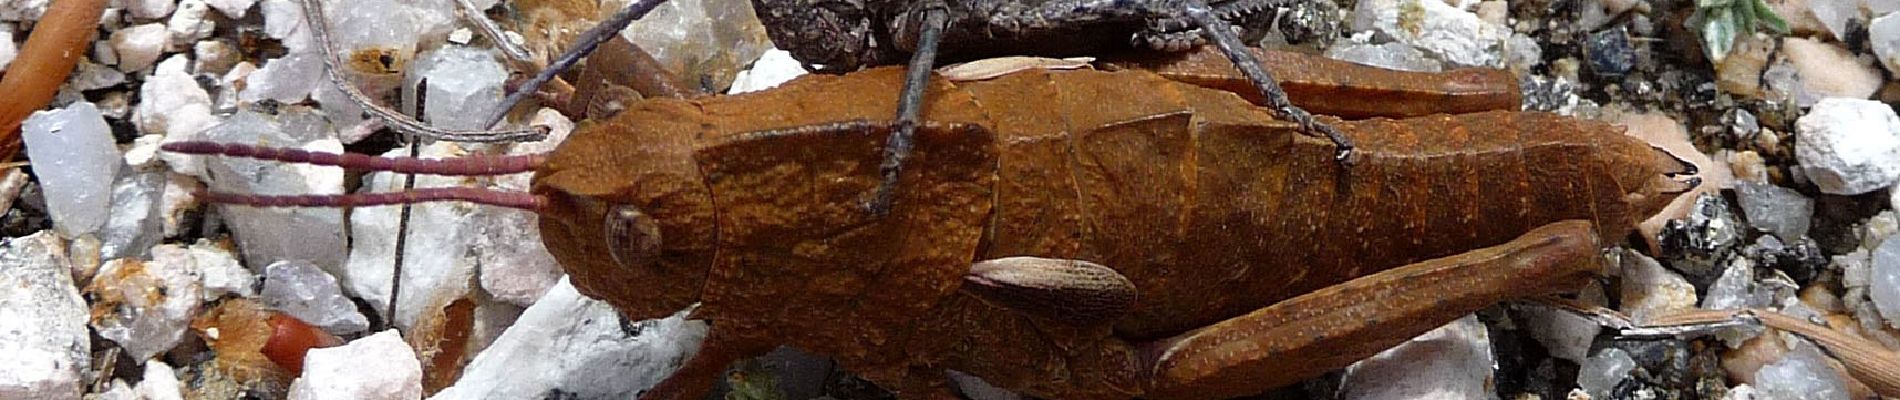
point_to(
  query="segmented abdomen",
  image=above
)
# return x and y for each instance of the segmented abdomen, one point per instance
(1213, 208)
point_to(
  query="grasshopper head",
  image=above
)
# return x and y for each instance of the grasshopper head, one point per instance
(628, 217)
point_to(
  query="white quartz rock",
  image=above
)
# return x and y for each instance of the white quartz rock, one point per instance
(773, 68)
(377, 367)
(464, 84)
(1802, 374)
(150, 9)
(1601, 373)
(42, 321)
(135, 224)
(1651, 290)
(287, 79)
(76, 162)
(268, 235)
(579, 347)
(516, 266)
(1884, 277)
(1452, 34)
(236, 9)
(1884, 33)
(189, 24)
(145, 306)
(220, 271)
(22, 10)
(438, 260)
(172, 104)
(8, 49)
(161, 383)
(1451, 362)
(304, 291)
(1849, 146)
(140, 45)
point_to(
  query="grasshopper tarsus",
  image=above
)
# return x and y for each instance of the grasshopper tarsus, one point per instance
(1218, 31)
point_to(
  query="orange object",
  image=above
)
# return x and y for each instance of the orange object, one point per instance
(291, 338)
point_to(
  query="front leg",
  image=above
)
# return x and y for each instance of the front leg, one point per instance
(1329, 329)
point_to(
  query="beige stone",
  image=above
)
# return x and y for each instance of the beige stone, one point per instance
(1739, 74)
(1828, 70)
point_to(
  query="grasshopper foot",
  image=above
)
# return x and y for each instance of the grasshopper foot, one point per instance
(1222, 34)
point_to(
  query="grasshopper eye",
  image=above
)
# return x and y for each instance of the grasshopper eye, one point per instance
(633, 237)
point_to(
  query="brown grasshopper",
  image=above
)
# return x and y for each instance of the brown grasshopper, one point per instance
(1073, 234)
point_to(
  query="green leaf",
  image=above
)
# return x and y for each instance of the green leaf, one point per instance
(1744, 18)
(1775, 23)
(1718, 34)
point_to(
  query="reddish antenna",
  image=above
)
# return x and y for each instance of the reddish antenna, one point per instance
(479, 165)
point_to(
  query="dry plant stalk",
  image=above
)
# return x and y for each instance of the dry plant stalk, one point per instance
(1865, 360)
(48, 56)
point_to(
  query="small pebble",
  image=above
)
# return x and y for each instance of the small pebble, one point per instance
(580, 346)
(22, 10)
(134, 225)
(1697, 244)
(139, 46)
(160, 383)
(1835, 15)
(1603, 371)
(1827, 70)
(268, 235)
(288, 79)
(76, 162)
(463, 82)
(1884, 34)
(144, 306)
(1449, 33)
(1749, 167)
(1779, 210)
(150, 9)
(1451, 362)
(1802, 374)
(773, 68)
(1849, 146)
(1884, 280)
(235, 9)
(1649, 289)
(172, 104)
(302, 290)
(8, 50)
(188, 23)
(42, 321)
(975, 388)
(377, 367)
(1395, 55)
(1610, 53)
